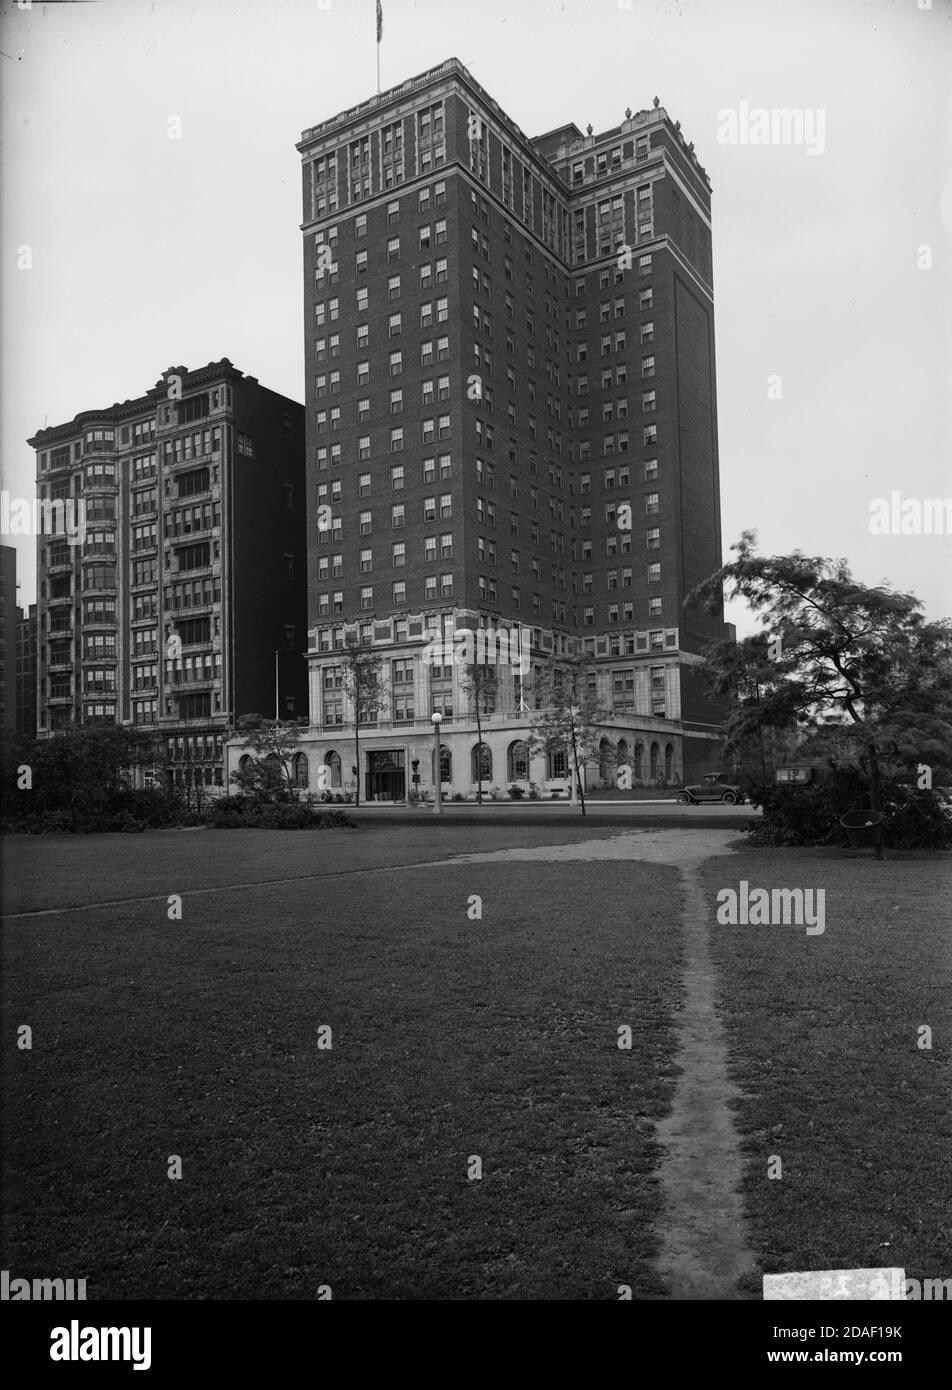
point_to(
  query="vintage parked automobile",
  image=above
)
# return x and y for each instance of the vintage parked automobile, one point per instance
(713, 787)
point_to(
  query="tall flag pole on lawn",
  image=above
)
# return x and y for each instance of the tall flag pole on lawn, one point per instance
(379, 37)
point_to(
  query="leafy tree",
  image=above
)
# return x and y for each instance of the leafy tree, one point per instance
(569, 720)
(847, 666)
(271, 775)
(363, 685)
(480, 683)
(80, 775)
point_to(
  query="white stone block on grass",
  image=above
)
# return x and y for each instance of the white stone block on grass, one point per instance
(852, 1284)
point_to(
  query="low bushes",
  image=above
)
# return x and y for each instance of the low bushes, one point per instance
(125, 809)
(245, 813)
(809, 815)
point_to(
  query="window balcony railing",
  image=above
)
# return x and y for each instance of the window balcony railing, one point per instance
(181, 603)
(178, 533)
(184, 678)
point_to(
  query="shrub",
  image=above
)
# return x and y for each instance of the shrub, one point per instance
(240, 812)
(332, 820)
(229, 813)
(282, 816)
(517, 792)
(458, 796)
(809, 815)
(534, 794)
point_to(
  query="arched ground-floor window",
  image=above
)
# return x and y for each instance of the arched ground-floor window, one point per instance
(481, 759)
(517, 761)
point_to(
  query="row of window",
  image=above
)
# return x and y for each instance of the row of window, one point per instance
(333, 565)
(189, 446)
(177, 450)
(485, 473)
(352, 162)
(434, 195)
(437, 626)
(441, 586)
(609, 161)
(434, 586)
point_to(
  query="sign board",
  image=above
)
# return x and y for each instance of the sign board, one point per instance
(793, 774)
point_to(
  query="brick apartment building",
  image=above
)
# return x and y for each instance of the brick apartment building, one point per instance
(185, 605)
(511, 421)
(26, 672)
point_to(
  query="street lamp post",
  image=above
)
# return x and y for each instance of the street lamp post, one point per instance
(437, 720)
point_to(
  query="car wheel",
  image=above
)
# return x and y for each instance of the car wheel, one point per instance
(685, 799)
(729, 798)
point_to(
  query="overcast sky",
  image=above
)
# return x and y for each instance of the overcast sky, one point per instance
(148, 251)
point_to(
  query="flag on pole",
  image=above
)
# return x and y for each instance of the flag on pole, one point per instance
(379, 21)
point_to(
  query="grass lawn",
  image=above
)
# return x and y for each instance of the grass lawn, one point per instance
(823, 1034)
(347, 1166)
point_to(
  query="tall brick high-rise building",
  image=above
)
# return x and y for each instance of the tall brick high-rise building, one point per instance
(511, 421)
(183, 606)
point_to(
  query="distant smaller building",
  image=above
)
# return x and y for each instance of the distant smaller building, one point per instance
(8, 627)
(26, 672)
(184, 606)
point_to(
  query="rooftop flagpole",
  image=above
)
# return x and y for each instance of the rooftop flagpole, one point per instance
(379, 37)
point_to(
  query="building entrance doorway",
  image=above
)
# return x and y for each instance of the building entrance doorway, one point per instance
(386, 775)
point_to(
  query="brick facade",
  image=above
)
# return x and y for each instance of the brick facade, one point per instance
(510, 410)
(189, 588)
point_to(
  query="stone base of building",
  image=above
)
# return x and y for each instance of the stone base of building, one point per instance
(397, 761)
